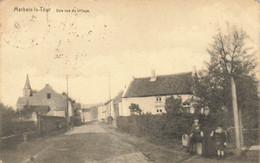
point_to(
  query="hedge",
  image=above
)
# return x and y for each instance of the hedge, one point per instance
(172, 127)
(155, 126)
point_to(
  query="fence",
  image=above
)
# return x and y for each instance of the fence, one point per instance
(251, 136)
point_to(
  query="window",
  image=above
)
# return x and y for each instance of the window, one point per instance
(48, 95)
(158, 99)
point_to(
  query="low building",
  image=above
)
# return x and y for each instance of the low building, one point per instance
(150, 93)
(90, 112)
(117, 104)
(102, 112)
(111, 107)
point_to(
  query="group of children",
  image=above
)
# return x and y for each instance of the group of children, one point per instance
(206, 141)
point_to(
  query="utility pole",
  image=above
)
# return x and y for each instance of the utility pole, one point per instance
(67, 108)
(236, 116)
(109, 96)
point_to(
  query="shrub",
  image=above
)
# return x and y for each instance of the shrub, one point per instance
(155, 126)
(134, 108)
(173, 105)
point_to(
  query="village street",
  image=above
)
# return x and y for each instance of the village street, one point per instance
(95, 142)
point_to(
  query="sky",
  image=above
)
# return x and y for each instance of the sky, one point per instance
(120, 38)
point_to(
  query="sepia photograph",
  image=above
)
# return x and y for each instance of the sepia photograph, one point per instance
(129, 81)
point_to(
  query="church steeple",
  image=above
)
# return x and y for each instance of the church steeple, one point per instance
(27, 90)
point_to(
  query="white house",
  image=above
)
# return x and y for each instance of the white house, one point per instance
(101, 112)
(109, 109)
(150, 93)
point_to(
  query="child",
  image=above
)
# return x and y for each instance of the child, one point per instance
(186, 142)
(220, 136)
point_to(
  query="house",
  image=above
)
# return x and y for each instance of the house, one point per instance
(117, 104)
(90, 112)
(45, 98)
(110, 111)
(150, 93)
(111, 107)
(102, 112)
(105, 110)
(86, 115)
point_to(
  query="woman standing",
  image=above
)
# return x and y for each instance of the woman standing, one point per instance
(208, 145)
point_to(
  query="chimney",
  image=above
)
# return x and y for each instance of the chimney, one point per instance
(194, 71)
(153, 76)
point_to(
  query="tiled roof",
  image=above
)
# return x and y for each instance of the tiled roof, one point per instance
(163, 85)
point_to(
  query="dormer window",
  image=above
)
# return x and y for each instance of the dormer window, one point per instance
(48, 96)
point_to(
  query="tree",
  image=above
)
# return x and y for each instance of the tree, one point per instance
(134, 108)
(69, 98)
(6, 111)
(229, 55)
(26, 111)
(6, 120)
(173, 105)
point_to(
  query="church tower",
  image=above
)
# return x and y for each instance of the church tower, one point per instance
(27, 90)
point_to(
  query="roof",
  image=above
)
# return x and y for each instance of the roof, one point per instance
(173, 84)
(108, 101)
(118, 98)
(92, 105)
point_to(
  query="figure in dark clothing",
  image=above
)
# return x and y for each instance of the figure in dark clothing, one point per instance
(220, 136)
(208, 145)
(196, 135)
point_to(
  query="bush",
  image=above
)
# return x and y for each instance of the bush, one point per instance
(173, 105)
(6, 120)
(155, 126)
(135, 109)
